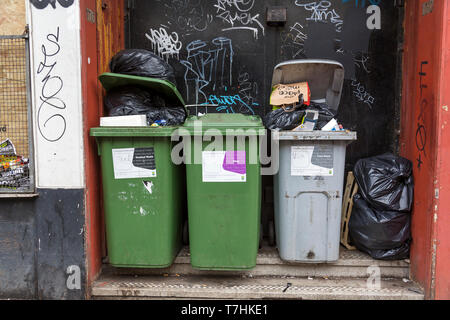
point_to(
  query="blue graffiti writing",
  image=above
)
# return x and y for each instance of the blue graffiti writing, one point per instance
(229, 103)
(362, 3)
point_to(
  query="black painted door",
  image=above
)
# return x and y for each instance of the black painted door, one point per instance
(224, 53)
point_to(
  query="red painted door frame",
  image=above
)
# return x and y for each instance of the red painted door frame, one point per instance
(102, 35)
(424, 140)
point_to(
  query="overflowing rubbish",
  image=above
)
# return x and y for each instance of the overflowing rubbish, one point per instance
(302, 117)
(143, 63)
(284, 118)
(14, 169)
(325, 114)
(133, 100)
(309, 121)
(294, 110)
(380, 223)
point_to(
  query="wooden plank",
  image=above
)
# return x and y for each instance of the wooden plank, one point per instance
(351, 188)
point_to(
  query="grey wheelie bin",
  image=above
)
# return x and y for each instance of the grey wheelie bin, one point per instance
(309, 185)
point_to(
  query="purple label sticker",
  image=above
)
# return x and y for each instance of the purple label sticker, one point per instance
(234, 161)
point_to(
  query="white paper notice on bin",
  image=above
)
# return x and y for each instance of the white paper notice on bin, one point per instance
(312, 160)
(134, 163)
(224, 166)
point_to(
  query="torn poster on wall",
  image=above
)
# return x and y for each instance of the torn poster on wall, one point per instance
(14, 169)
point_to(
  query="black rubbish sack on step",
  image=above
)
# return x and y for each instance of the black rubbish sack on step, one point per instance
(383, 235)
(285, 118)
(131, 100)
(143, 63)
(386, 182)
(399, 253)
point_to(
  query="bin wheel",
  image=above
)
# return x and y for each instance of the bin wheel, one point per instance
(186, 233)
(271, 234)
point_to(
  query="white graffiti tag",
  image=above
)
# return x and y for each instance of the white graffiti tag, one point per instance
(165, 45)
(361, 93)
(237, 14)
(293, 42)
(208, 66)
(321, 11)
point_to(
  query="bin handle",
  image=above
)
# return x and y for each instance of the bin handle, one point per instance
(327, 193)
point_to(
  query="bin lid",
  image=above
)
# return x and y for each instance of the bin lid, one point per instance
(111, 80)
(133, 131)
(223, 121)
(315, 135)
(325, 78)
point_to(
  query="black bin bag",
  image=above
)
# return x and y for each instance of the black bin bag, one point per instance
(384, 235)
(129, 100)
(132, 100)
(285, 118)
(173, 116)
(143, 63)
(386, 182)
(325, 113)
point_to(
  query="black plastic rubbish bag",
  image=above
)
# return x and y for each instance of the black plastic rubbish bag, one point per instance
(325, 114)
(171, 116)
(141, 62)
(286, 118)
(399, 253)
(130, 100)
(386, 182)
(377, 231)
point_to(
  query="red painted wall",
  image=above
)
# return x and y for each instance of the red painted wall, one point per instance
(424, 140)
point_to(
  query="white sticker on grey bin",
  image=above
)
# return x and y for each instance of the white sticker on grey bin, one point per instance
(134, 163)
(312, 160)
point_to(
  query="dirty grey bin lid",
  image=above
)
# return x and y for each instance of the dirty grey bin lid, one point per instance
(315, 135)
(325, 78)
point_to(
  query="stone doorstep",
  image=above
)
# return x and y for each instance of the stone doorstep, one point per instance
(352, 263)
(242, 287)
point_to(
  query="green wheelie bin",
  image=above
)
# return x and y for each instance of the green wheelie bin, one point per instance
(143, 195)
(223, 190)
(143, 190)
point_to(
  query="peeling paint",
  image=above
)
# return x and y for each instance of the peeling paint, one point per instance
(148, 185)
(143, 211)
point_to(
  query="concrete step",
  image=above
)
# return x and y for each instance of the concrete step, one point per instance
(243, 287)
(351, 264)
